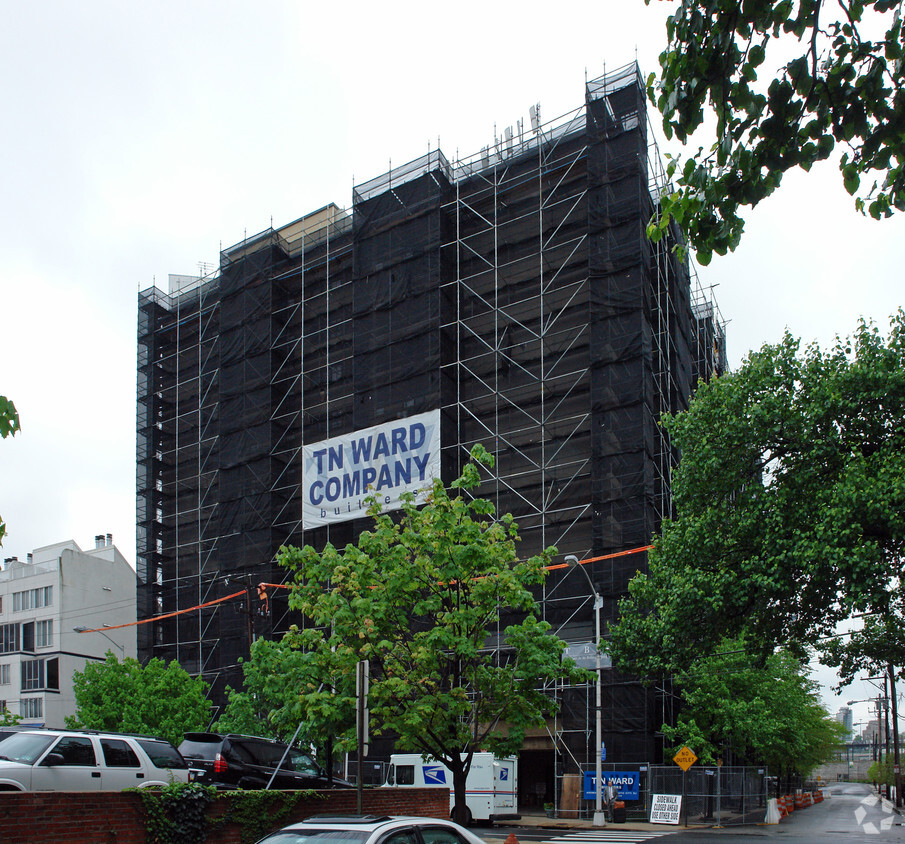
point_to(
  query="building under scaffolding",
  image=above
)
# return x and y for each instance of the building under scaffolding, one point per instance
(515, 293)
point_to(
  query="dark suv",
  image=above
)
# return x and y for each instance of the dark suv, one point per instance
(236, 761)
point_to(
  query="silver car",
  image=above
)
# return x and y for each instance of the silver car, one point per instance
(372, 829)
(72, 760)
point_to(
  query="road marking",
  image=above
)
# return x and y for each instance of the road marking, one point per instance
(869, 827)
(626, 836)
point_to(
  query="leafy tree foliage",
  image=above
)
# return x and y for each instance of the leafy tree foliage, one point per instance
(877, 648)
(286, 685)
(422, 596)
(8, 719)
(841, 84)
(882, 772)
(9, 426)
(789, 500)
(268, 704)
(766, 714)
(159, 699)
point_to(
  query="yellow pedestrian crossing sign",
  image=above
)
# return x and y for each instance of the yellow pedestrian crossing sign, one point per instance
(685, 758)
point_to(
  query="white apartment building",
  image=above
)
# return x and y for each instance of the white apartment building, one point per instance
(44, 604)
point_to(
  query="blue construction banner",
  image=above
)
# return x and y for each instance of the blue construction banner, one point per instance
(626, 783)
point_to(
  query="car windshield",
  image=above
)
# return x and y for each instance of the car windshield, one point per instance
(25, 747)
(318, 836)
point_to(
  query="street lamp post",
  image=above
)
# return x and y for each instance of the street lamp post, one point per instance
(83, 629)
(599, 815)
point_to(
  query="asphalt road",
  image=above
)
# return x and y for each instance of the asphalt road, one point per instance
(851, 812)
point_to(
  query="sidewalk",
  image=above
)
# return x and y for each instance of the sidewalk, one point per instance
(540, 821)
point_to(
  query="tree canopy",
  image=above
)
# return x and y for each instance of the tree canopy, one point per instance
(159, 699)
(287, 684)
(783, 84)
(422, 597)
(877, 648)
(789, 501)
(767, 714)
(9, 426)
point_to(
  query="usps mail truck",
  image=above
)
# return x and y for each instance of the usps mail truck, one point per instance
(492, 784)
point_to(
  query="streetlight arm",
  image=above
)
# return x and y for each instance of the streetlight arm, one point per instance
(108, 638)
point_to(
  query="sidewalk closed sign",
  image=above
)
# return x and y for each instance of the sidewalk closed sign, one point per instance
(666, 808)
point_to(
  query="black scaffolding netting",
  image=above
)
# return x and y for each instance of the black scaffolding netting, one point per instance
(517, 294)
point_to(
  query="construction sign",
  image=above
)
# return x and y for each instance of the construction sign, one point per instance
(685, 758)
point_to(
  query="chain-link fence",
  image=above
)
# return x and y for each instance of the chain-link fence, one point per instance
(711, 796)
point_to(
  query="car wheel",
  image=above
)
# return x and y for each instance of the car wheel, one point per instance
(251, 784)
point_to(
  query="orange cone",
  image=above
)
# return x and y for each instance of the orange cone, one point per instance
(511, 839)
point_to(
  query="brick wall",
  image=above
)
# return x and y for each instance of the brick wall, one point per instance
(108, 817)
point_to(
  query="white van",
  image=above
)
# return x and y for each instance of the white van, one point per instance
(492, 784)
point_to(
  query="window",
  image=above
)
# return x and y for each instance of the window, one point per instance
(405, 775)
(162, 754)
(9, 638)
(118, 754)
(4, 675)
(28, 636)
(41, 674)
(440, 835)
(402, 836)
(32, 675)
(75, 750)
(44, 634)
(53, 674)
(31, 707)
(33, 599)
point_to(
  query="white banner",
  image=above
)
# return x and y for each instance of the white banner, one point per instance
(666, 808)
(384, 461)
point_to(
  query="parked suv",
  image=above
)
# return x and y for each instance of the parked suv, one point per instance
(85, 760)
(236, 761)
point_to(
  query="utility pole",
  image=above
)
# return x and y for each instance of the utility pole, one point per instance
(362, 686)
(249, 616)
(895, 735)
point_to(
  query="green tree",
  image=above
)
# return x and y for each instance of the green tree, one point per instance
(789, 502)
(877, 648)
(840, 83)
(881, 773)
(285, 685)
(9, 426)
(158, 699)
(422, 596)
(765, 714)
(8, 719)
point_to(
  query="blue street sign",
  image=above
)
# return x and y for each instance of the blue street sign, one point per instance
(603, 751)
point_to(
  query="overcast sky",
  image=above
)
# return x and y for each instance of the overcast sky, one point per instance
(140, 139)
